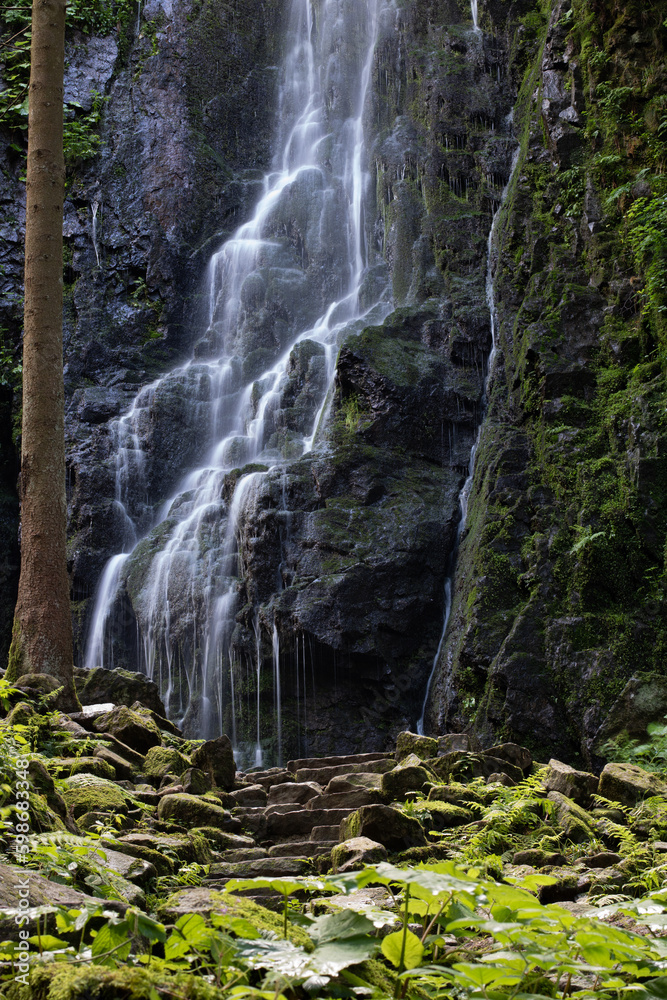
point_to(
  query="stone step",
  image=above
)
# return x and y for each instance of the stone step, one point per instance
(278, 808)
(292, 791)
(326, 834)
(323, 775)
(302, 848)
(252, 818)
(258, 868)
(354, 758)
(355, 782)
(274, 776)
(302, 821)
(250, 795)
(345, 800)
(244, 854)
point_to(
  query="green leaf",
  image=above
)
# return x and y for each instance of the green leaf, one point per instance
(237, 925)
(47, 942)
(149, 928)
(191, 932)
(392, 948)
(339, 926)
(330, 958)
(280, 956)
(112, 938)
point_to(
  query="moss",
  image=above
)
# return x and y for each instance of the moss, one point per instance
(15, 663)
(70, 982)
(42, 818)
(92, 765)
(164, 865)
(445, 814)
(192, 811)
(164, 760)
(86, 793)
(209, 900)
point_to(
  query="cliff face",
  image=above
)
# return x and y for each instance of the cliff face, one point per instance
(559, 594)
(344, 553)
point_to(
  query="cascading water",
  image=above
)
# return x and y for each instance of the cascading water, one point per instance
(290, 278)
(464, 495)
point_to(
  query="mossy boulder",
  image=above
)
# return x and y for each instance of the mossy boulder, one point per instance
(411, 743)
(459, 765)
(403, 779)
(357, 852)
(187, 847)
(21, 714)
(384, 824)
(577, 825)
(513, 754)
(216, 759)
(454, 793)
(42, 782)
(134, 730)
(194, 811)
(577, 785)
(445, 815)
(92, 765)
(223, 841)
(207, 901)
(69, 982)
(649, 818)
(163, 724)
(86, 793)
(122, 768)
(164, 760)
(42, 893)
(42, 818)
(195, 782)
(630, 784)
(122, 687)
(160, 860)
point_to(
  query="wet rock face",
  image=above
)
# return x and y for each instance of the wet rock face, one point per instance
(554, 632)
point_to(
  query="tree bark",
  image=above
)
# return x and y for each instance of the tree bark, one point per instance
(42, 632)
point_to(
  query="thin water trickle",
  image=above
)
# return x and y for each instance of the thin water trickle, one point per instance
(464, 495)
(187, 595)
(277, 693)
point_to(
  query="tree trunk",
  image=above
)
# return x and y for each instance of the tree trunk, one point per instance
(42, 632)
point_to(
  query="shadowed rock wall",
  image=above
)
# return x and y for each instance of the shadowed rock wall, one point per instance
(560, 594)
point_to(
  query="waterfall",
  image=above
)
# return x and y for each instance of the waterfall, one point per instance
(474, 12)
(464, 495)
(304, 246)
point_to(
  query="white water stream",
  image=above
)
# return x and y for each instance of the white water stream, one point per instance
(304, 245)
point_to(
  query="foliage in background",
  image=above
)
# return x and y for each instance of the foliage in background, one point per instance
(651, 754)
(99, 17)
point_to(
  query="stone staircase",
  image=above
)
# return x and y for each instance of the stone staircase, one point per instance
(294, 815)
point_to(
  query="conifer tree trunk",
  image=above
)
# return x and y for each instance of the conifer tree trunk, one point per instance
(42, 632)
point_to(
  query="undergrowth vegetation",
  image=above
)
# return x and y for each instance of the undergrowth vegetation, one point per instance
(463, 918)
(447, 931)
